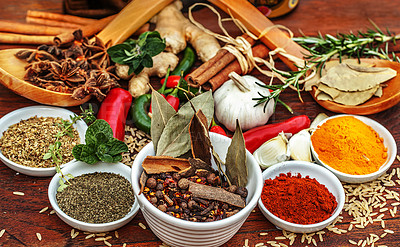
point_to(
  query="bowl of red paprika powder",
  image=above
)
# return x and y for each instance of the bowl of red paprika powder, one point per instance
(356, 149)
(300, 196)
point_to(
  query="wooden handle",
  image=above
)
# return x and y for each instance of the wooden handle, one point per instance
(257, 23)
(131, 18)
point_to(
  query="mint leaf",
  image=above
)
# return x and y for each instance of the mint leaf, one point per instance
(138, 53)
(100, 145)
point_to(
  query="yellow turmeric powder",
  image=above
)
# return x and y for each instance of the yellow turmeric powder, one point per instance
(348, 145)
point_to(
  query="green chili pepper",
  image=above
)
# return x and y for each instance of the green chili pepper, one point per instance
(139, 112)
(188, 59)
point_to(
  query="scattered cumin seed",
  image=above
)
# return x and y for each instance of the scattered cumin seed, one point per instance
(263, 233)
(2, 232)
(53, 211)
(18, 193)
(100, 239)
(43, 210)
(389, 231)
(90, 236)
(142, 226)
(124, 245)
(39, 236)
(107, 243)
(116, 234)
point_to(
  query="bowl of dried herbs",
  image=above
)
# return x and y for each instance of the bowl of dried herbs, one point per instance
(93, 197)
(194, 187)
(33, 139)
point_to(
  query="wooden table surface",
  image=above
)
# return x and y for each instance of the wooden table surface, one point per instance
(20, 214)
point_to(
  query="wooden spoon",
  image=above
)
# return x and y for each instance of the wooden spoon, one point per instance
(257, 23)
(12, 69)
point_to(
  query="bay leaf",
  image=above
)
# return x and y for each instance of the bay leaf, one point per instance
(199, 138)
(235, 163)
(162, 111)
(174, 140)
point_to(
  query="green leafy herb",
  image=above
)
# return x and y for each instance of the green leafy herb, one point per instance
(138, 53)
(373, 43)
(100, 145)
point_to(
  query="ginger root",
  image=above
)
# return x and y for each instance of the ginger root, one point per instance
(176, 29)
(139, 84)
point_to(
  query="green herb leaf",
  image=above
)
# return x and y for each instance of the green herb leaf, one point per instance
(100, 145)
(138, 53)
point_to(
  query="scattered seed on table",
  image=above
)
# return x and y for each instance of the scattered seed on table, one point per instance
(263, 233)
(142, 226)
(43, 210)
(90, 236)
(116, 234)
(107, 243)
(99, 239)
(39, 236)
(53, 211)
(18, 193)
(2, 232)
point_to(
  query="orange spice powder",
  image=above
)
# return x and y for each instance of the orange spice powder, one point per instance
(348, 145)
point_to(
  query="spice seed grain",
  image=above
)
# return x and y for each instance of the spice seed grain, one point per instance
(43, 210)
(2, 232)
(39, 236)
(107, 243)
(18, 193)
(142, 226)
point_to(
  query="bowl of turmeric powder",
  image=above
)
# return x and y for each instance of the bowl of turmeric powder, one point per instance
(355, 148)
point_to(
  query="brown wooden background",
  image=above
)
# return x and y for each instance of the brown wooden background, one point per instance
(19, 215)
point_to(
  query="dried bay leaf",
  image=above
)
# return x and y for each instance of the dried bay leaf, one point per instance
(235, 163)
(347, 77)
(174, 140)
(162, 111)
(199, 137)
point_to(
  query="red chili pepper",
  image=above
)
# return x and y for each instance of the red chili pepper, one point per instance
(114, 110)
(255, 137)
(172, 81)
(173, 98)
(217, 129)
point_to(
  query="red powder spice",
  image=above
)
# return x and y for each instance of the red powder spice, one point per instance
(298, 200)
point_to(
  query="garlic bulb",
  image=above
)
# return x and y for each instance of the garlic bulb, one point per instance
(272, 152)
(234, 100)
(299, 146)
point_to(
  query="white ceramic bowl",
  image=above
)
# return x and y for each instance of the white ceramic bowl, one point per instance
(388, 141)
(322, 175)
(178, 232)
(78, 168)
(40, 111)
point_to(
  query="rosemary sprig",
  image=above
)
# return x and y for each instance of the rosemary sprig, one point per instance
(322, 48)
(66, 129)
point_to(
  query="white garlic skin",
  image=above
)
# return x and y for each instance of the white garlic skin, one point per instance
(231, 103)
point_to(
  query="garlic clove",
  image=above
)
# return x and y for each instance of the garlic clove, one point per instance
(321, 116)
(299, 146)
(272, 152)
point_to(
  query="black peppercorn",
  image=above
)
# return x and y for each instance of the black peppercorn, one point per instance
(159, 186)
(242, 191)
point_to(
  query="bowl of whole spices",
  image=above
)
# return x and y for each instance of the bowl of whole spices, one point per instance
(195, 210)
(27, 134)
(99, 197)
(300, 196)
(356, 149)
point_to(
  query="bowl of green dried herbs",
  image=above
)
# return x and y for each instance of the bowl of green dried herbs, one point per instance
(93, 197)
(34, 139)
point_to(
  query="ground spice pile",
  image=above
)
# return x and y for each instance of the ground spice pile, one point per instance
(97, 197)
(300, 200)
(348, 145)
(26, 142)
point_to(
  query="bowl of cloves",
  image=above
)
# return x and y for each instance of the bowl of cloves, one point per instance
(189, 201)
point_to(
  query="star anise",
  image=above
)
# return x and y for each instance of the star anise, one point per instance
(67, 72)
(98, 52)
(35, 55)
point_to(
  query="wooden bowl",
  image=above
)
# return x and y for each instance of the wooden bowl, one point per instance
(12, 71)
(389, 98)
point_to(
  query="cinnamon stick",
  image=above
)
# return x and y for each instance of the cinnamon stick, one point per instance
(214, 193)
(12, 38)
(52, 23)
(59, 17)
(87, 31)
(23, 28)
(159, 164)
(210, 68)
(214, 83)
